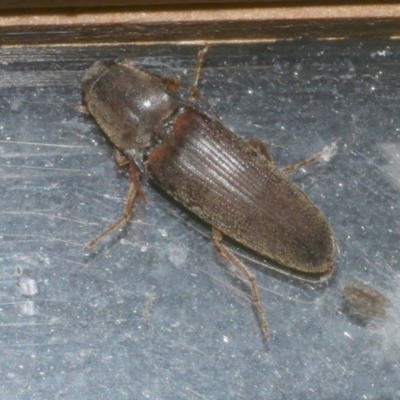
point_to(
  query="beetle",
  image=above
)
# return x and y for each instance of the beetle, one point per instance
(230, 183)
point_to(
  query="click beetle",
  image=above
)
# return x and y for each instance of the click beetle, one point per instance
(230, 183)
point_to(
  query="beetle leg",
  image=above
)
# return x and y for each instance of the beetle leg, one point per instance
(325, 155)
(135, 190)
(227, 254)
(258, 144)
(294, 167)
(123, 161)
(194, 89)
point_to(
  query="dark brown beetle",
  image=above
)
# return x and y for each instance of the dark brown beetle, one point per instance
(231, 184)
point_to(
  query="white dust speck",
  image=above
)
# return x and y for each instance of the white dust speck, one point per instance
(27, 287)
(27, 308)
(177, 254)
(329, 151)
(163, 232)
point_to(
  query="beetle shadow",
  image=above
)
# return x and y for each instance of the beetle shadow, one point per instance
(355, 318)
(358, 318)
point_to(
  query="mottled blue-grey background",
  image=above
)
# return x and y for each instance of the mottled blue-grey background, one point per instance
(151, 312)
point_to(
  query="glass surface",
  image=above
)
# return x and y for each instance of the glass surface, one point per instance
(152, 312)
